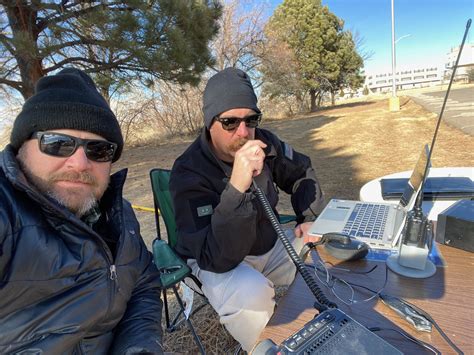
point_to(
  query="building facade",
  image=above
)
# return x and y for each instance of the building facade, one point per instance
(466, 62)
(405, 79)
(411, 78)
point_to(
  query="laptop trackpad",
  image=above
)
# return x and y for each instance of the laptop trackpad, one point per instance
(333, 218)
(335, 214)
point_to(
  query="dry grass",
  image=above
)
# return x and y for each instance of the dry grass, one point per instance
(206, 322)
(214, 336)
(349, 145)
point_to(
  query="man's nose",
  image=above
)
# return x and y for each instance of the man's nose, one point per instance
(242, 130)
(78, 160)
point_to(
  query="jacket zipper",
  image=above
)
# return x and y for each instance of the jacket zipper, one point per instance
(114, 279)
(113, 273)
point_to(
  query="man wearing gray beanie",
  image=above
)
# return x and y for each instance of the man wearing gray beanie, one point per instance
(223, 231)
(75, 274)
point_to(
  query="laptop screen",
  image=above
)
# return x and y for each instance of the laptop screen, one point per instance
(416, 178)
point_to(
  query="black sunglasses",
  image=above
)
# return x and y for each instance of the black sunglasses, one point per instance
(231, 123)
(62, 145)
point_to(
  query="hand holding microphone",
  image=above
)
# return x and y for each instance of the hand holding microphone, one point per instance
(248, 163)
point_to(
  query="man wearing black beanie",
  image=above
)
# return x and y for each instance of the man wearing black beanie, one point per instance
(75, 274)
(223, 231)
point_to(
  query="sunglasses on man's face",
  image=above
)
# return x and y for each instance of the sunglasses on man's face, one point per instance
(62, 145)
(231, 123)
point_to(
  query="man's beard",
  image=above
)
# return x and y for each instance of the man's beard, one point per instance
(237, 144)
(70, 198)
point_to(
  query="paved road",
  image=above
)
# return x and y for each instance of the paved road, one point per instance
(459, 110)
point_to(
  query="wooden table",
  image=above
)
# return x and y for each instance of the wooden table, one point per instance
(448, 297)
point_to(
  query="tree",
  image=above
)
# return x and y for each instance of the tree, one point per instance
(349, 62)
(240, 36)
(326, 57)
(169, 109)
(121, 40)
(280, 71)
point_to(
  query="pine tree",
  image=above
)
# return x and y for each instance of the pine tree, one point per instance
(120, 40)
(325, 55)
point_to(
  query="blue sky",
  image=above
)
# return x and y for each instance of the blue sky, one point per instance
(433, 26)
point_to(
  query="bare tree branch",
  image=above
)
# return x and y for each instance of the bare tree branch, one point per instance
(15, 84)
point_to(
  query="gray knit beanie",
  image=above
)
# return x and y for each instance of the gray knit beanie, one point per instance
(67, 100)
(228, 89)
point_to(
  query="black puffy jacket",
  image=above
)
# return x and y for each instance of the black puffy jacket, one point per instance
(61, 290)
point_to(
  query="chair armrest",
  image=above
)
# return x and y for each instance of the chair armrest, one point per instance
(172, 268)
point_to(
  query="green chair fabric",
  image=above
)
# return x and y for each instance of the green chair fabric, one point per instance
(160, 182)
(287, 218)
(172, 268)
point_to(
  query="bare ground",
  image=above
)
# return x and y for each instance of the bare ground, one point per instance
(349, 145)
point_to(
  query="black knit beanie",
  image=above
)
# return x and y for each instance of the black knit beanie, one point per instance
(230, 88)
(67, 100)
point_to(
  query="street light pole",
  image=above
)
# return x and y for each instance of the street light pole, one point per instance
(394, 101)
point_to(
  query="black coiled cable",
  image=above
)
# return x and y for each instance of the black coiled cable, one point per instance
(322, 301)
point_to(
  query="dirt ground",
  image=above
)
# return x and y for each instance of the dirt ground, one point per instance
(349, 145)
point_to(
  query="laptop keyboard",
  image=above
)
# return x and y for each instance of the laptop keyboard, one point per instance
(367, 220)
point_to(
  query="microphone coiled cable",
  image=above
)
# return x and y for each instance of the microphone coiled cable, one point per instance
(322, 301)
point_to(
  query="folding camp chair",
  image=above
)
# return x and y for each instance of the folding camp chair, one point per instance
(172, 268)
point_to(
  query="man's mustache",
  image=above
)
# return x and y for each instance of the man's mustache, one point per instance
(236, 145)
(82, 177)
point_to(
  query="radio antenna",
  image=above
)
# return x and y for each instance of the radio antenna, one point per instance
(419, 197)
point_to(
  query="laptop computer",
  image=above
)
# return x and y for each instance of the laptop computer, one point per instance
(378, 224)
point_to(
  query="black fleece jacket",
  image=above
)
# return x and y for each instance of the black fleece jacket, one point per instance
(219, 226)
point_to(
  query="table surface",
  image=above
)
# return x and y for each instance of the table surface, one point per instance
(371, 191)
(446, 296)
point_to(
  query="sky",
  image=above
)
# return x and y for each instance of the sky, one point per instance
(429, 29)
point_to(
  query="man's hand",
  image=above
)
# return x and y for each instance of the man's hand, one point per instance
(301, 231)
(248, 162)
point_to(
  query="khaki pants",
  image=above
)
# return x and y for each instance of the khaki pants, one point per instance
(244, 296)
